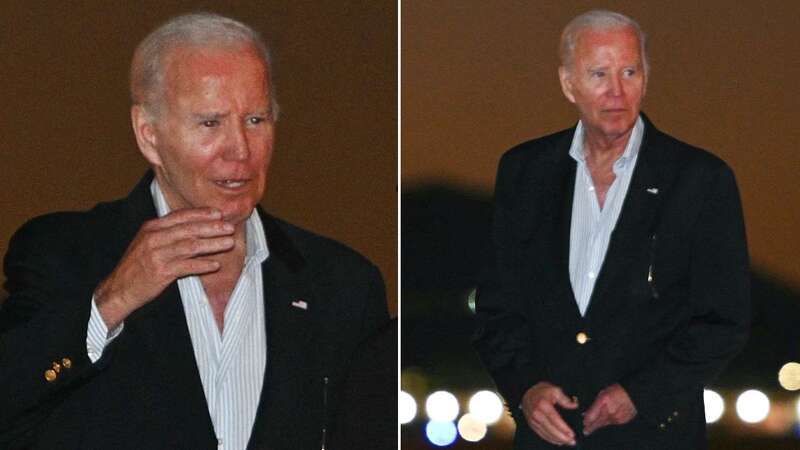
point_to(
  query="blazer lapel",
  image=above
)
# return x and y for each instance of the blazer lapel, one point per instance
(637, 219)
(290, 308)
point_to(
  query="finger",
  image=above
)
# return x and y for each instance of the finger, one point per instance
(544, 434)
(598, 418)
(190, 248)
(195, 266)
(566, 402)
(168, 237)
(551, 420)
(185, 215)
(593, 412)
(601, 422)
(548, 435)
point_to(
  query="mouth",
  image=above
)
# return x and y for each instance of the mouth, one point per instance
(232, 184)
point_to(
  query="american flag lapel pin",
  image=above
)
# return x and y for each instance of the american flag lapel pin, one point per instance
(653, 190)
(300, 304)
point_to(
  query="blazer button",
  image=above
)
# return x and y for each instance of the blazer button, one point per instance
(67, 363)
(50, 375)
(581, 338)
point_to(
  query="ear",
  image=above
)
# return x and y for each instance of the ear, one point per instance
(146, 137)
(566, 83)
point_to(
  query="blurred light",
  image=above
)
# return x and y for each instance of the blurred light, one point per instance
(441, 434)
(715, 406)
(797, 407)
(486, 406)
(752, 406)
(471, 428)
(789, 376)
(406, 408)
(442, 406)
(471, 300)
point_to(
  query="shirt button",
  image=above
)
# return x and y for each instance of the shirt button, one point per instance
(582, 338)
(591, 188)
(592, 275)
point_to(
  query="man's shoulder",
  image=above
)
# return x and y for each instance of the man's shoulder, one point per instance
(545, 147)
(683, 156)
(63, 227)
(323, 254)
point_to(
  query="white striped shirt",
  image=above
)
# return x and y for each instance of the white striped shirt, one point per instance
(592, 226)
(231, 365)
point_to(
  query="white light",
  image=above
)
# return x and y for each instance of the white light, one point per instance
(486, 406)
(441, 406)
(715, 406)
(441, 434)
(406, 408)
(797, 406)
(471, 428)
(752, 406)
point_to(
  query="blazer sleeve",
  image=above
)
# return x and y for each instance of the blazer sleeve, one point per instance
(42, 322)
(719, 322)
(503, 338)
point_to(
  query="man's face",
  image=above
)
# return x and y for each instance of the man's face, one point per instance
(212, 142)
(607, 81)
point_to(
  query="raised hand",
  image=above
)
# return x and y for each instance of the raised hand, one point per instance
(163, 250)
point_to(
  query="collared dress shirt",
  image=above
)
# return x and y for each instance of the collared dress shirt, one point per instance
(231, 364)
(591, 227)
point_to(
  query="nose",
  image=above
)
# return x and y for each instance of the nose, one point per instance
(237, 146)
(615, 85)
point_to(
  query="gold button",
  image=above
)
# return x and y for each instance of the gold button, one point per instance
(67, 363)
(50, 375)
(582, 338)
(56, 367)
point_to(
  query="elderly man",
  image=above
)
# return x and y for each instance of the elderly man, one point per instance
(183, 316)
(620, 284)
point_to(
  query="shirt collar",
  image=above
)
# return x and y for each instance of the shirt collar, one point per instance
(255, 239)
(576, 150)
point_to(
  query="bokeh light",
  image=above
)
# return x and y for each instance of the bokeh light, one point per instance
(789, 376)
(406, 407)
(486, 406)
(471, 428)
(715, 405)
(752, 406)
(797, 407)
(471, 299)
(441, 434)
(442, 406)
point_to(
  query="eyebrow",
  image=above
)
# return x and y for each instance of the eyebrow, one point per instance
(209, 116)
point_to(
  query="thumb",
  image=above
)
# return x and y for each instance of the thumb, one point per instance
(566, 402)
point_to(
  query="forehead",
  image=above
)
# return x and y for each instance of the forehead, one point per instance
(592, 43)
(189, 68)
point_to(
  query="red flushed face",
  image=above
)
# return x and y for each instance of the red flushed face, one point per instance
(212, 142)
(607, 81)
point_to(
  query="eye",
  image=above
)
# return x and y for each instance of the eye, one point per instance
(629, 72)
(255, 120)
(212, 123)
(598, 74)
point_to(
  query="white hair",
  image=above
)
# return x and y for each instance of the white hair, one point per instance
(197, 29)
(598, 19)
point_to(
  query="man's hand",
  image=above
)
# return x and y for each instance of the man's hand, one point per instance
(538, 405)
(612, 406)
(163, 250)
